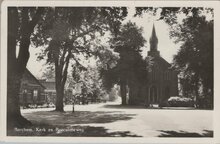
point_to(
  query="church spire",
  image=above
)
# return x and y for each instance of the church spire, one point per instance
(153, 40)
(153, 43)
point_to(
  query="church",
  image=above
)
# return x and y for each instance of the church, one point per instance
(162, 80)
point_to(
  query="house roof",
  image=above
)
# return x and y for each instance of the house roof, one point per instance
(33, 77)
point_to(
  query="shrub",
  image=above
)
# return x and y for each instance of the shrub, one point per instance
(180, 102)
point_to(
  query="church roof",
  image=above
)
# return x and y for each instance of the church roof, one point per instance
(159, 62)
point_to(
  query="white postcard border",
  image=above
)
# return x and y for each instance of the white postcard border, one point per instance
(216, 123)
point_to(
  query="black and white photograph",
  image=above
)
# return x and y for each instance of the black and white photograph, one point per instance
(109, 71)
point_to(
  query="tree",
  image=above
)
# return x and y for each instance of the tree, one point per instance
(89, 80)
(92, 84)
(196, 55)
(130, 67)
(21, 25)
(70, 37)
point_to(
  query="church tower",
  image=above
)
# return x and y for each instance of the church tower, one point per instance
(153, 44)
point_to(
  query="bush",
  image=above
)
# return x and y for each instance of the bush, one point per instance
(180, 102)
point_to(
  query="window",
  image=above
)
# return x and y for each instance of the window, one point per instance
(35, 93)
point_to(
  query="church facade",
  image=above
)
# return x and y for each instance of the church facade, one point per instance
(162, 81)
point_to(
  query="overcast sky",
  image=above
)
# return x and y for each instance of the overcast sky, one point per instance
(165, 45)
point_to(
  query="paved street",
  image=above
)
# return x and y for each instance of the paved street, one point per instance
(116, 120)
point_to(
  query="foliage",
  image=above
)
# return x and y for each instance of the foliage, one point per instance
(106, 63)
(195, 57)
(70, 36)
(114, 93)
(130, 68)
(171, 14)
(49, 73)
(89, 81)
(196, 53)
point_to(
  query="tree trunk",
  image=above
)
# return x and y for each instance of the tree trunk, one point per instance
(59, 99)
(123, 92)
(59, 87)
(15, 73)
(61, 71)
(14, 117)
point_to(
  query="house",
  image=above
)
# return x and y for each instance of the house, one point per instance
(50, 89)
(31, 90)
(162, 80)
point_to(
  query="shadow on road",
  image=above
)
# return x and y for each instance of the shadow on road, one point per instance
(90, 131)
(51, 123)
(69, 131)
(78, 117)
(207, 133)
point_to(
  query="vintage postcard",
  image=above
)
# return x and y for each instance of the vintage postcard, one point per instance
(110, 71)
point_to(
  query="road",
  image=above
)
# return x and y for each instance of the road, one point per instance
(116, 120)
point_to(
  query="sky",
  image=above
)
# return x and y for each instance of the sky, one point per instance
(166, 46)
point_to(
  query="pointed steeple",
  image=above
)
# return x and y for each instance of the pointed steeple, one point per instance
(153, 43)
(153, 40)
